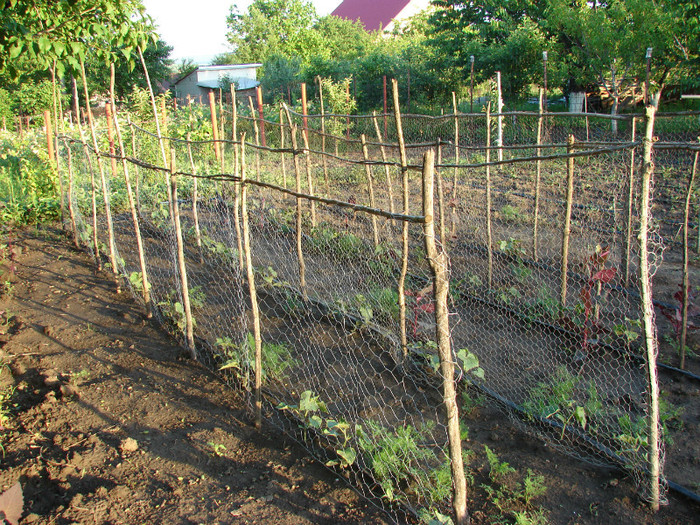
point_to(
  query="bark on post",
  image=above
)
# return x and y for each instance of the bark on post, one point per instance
(258, 94)
(455, 174)
(300, 251)
(323, 132)
(182, 267)
(499, 106)
(195, 197)
(71, 209)
(103, 180)
(404, 231)
(257, 331)
(489, 231)
(538, 174)
(93, 189)
(441, 197)
(257, 138)
(309, 178)
(282, 155)
(650, 341)
(566, 230)
(146, 287)
(630, 208)
(214, 126)
(439, 265)
(370, 188)
(686, 273)
(387, 171)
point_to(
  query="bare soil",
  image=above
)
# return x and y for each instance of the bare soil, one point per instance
(111, 423)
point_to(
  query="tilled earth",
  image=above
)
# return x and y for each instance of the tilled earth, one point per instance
(104, 420)
(108, 422)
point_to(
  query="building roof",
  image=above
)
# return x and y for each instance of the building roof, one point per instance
(241, 83)
(378, 14)
(221, 68)
(228, 67)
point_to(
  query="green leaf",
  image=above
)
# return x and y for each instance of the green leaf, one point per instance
(580, 416)
(348, 455)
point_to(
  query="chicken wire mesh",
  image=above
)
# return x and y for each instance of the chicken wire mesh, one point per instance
(345, 370)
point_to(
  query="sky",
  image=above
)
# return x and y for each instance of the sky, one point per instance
(197, 30)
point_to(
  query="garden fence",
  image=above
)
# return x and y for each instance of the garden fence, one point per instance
(308, 259)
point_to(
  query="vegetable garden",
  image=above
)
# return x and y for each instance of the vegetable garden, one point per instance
(364, 278)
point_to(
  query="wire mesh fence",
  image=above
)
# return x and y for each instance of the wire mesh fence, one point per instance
(299, 267)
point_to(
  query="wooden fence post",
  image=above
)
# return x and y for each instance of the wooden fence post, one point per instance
(103, 180)
(455, 174)
(257, 138)
(406, 210)
(499, 106)
(145, 283)
(258, 94)
(441, 284)
(214, 126)
(538, 175)
(489, 231)
(93, 189)
(257, 331)
(650, 341)
(370, 187)
(686, 274)
(323, 132)
(387, 171)
(566, 230)
(630, 208)
(189, 324)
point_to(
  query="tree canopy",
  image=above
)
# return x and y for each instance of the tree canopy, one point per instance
(65, 30)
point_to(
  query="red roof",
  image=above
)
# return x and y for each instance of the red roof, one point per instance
(372, 13)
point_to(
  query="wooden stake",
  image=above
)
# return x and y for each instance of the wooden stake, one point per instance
(441, 198)
(189, 324)
(538, 174)
(686, 273)
(323, 132)
(300, 252)
(370, 187)
(195, 197)
(214, 126)
(145, 282)
(499, 140)
(489, 231)
(284, 163)
(630, 208)
(103, 180)
(93, 189)
(257, 331)
(257, 138)
(304, 111)
(441, 283)
(309, 179)
(71, 209)
(650, 341)
(406, 210)
(387, 171)
(566, 230)
(258, 93)
(455, 173)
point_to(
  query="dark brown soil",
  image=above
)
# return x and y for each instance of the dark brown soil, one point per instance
(111, 423)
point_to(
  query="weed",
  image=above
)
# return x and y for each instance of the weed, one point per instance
(557, 399)
(219, 449)
(136, 280)
(510, 214)
(512, 497)
(276, 358)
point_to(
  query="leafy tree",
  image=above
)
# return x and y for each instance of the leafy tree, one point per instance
(64, 30)
(273, 27)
